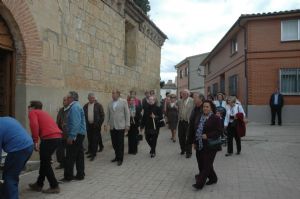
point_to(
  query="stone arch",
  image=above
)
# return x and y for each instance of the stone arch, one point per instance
(28, 50)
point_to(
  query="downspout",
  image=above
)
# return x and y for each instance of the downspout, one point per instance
(246, 64)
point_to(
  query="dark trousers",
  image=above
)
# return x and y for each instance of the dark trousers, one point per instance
(133, 139)
(117, 140)
(276, 110)
(74, 154)
(231, 133)
(151, 138)
(205, 160)
(183, 131)
(100, 141)
(14, 163)
(61, 152)
(93, 134)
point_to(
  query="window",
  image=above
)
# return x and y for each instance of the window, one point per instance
(290, 81)
(290, 30)
(222, 83)
(207, 68)
(130, 45)
(215, 89)
(233, 85)
(186, 71)
(234, 46)
(180, 74)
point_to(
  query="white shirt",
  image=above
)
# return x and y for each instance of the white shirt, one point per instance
(232, 111)
(91, 113)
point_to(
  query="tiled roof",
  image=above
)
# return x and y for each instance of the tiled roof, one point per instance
(270, 13)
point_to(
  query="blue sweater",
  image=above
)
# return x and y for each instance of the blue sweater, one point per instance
(13, 137)
(76, 120)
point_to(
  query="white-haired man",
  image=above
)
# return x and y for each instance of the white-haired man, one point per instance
(185, 107)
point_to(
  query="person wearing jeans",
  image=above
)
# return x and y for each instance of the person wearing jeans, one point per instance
(16, 142)
(76, 132)
(43, 127)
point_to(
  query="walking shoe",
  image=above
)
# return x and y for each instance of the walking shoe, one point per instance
(120, 163)
(182, 153)
(114, 160)
(92, 158)
(196, 186)
(65, 180)
(210, 182)
(188, 155)
(35, 187)
(79, 178)
(87, 152)
(52, 190)
(89, 156)
(238, 153)
(228, 154)
(100, 149)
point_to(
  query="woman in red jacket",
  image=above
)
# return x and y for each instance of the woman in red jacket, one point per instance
(43, 127)
(209, 128)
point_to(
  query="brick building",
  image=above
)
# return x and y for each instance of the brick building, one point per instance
(50, 47)
(190, 73)
(260, 52)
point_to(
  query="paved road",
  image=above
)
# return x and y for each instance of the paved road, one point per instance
(268, 167)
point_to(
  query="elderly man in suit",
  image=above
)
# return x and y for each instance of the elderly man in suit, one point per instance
(185, 107)
(118, 119)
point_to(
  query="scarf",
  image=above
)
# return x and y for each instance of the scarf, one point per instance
(199, 130)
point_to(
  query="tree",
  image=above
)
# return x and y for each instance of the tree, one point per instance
(162, 84)
(143, 4)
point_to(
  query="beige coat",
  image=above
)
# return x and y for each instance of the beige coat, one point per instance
(185, 109)
(118, 118)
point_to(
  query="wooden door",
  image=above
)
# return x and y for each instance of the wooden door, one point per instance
(6, 71)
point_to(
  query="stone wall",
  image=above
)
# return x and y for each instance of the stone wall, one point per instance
(83, 49)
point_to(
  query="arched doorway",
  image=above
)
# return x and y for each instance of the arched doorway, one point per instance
(7, 71)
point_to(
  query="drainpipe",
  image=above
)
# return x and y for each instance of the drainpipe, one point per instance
(246, 64)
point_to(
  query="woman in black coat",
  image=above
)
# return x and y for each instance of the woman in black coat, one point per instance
(151, 122)
(135, 109)
(209, 128)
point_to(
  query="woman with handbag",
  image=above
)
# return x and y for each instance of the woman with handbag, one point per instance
(151, 121)
(233, 120)
(207, 142)
(135, 110)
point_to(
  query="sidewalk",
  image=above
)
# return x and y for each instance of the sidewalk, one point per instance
(268, 167)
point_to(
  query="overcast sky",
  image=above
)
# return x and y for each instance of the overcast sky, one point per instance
(196, 26)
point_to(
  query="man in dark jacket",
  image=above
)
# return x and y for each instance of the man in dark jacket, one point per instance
(94, 117)
(276, 104)
(61, 121)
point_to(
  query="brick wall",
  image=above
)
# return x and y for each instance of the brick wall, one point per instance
(266, 55)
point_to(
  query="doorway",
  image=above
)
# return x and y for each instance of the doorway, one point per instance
(7, 71)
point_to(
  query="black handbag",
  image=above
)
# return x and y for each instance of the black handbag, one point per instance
(215, 143)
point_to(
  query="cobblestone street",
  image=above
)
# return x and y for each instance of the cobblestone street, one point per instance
(268, 167)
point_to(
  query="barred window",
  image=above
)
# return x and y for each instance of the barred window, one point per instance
(233, 85)
(290, 81)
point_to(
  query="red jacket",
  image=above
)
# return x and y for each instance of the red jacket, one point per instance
(42, 125)
(241, 126)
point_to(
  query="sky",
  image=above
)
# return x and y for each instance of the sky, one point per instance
(196, 26)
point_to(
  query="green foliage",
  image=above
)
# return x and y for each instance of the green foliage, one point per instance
(143, 4)
(162, 84)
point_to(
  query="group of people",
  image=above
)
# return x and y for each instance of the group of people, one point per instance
(201, 124)
(65, 136)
